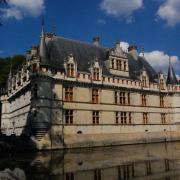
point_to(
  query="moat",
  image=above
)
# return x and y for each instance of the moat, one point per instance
(145, 161)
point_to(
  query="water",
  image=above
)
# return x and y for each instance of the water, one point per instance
(153, 161)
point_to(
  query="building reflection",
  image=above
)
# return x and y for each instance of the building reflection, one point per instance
(153, 161)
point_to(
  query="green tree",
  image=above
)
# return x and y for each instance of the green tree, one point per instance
(6, 63)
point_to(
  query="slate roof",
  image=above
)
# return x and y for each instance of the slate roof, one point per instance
(171, 78)
(59, 48)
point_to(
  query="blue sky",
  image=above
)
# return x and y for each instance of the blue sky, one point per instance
(152, 24)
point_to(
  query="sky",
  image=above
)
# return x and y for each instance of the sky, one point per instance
(152, 25)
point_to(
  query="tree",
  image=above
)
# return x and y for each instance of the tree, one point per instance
(5, 65)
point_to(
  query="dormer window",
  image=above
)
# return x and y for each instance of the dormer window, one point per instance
(70, 70)
(70, 66)
(96, 72)
(144, 81)
(161, 83)
(118, 64)
(112, 64)
(125, 66)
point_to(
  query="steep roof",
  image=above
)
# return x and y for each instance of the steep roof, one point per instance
(171, 78)
(59, 48)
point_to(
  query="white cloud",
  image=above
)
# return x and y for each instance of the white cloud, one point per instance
(124, 46)
(101, 21)
(160, 61)
(121, 8)
(20, 8)
(169, 11)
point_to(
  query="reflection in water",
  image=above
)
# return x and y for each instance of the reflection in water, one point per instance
(16, 174)
(153, 161)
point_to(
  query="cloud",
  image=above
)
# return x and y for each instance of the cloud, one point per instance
(169, 11)
(122, 9)
(160, 60)
(101, 21)
(124, 46)
(19, 9)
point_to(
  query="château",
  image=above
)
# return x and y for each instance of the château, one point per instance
(73, 94)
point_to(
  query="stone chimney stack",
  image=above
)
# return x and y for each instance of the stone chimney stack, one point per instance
(96, 41)
(133, 51)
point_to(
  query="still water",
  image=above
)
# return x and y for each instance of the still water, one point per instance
(152, 161)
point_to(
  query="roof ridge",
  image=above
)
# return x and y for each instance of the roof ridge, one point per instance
(82, 42)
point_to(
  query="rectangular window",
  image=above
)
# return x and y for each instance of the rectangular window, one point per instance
(95, 96)
(96, 74)
(97, 174)
(68, 93)
(129, 99)
(69, 116)
(112, 64)
(148, 167)
(70, 70)
(163, 118)
(69, 176)
(126, 171)
(123, 118)
(161, 101)
(144, 81)
(125, 66)
(95, 117)
(161, 83)
(144, 100)
(116, 97)
(145, 118)
(130, 118)
(119, 64)
(122, 98)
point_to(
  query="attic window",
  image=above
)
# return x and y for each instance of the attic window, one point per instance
(96, 72)
(161, 84)
(70, 70)
(144, 81)
(119, 64)
(112, 63)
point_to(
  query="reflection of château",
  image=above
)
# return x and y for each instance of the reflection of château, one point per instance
(72, 94)
(152, 161)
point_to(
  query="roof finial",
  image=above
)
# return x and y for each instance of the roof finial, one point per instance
(10, 71)
(42, 46)
(42, 25)
(143, 51)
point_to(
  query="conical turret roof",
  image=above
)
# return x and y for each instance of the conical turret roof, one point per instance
(171, 78)
(42, 46)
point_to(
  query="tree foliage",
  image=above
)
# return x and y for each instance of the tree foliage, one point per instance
(6, 63)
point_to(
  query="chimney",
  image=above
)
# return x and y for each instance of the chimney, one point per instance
(96, 41)
(133, 51)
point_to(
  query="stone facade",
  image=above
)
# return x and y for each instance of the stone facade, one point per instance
(72, 94)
